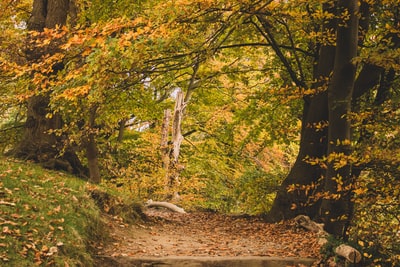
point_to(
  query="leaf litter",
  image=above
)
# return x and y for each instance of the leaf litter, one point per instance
(207, 234)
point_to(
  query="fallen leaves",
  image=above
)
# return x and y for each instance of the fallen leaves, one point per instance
(210, 234)
(35, 210)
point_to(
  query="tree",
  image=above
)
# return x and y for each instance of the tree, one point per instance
(37, 143)
(336, 208)
(325, 171)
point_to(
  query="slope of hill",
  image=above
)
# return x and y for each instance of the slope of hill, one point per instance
(47, 218)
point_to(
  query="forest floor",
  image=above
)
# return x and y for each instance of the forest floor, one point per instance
(205, 234)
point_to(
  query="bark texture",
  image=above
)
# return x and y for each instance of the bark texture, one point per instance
(337, 208)
(329, 107)
(313, 143)
(170, 154)
(37, 144)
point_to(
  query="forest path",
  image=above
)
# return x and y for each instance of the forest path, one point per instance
(204, 234)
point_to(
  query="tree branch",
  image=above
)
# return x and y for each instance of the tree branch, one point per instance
(299, 67)
(266, 33)
(268, 45)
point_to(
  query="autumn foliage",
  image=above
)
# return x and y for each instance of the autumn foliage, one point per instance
(260, 81)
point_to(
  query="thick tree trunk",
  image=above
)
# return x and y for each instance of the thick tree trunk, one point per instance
(286, 204)
(305, 176)
(37, 144)
(313, 143)
(336, 209)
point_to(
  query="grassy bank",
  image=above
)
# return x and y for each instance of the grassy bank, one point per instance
(46, 218)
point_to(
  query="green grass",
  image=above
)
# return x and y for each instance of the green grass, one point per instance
(46, 218)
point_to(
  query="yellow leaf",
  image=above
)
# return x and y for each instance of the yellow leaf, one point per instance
(366, 255)
(360, 191)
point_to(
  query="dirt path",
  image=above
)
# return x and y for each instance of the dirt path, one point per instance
(207, 234)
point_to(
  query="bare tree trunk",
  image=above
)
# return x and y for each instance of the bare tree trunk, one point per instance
(171, 155)
(165, 150)
(170, 206)
(177, 137)
(174, 168)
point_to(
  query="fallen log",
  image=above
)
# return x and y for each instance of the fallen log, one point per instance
(163, 204)
(349, 253)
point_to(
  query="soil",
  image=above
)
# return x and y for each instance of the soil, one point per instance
(204, 234)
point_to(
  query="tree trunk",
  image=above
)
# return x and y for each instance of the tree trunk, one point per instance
(167, 205)
(170, 156)
(177, 137)
(121, 130)
(286, 204)
(313, 143)
(165, 150)
(37, 144)
(289, 204)
(91, 148)
(174, 168)
(92, 158)
(336, 209)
